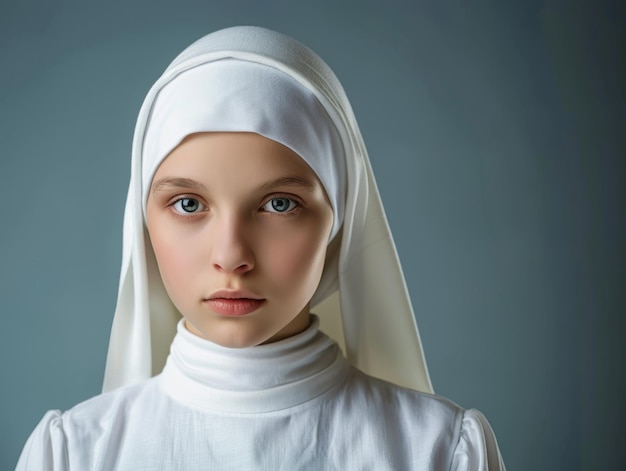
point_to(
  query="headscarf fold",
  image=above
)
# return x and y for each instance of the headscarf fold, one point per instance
(362, 299)
(231, 95)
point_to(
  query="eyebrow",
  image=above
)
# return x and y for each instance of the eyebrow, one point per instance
(296, 182)
(170, 183)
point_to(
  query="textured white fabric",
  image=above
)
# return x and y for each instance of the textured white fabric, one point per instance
(234, 95)
(248, 409)
(362, 284)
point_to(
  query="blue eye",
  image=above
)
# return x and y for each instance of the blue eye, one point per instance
(187, 206)
(280, 205)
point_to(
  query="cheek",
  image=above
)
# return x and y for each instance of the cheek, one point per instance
(298, 260)
(173, 261)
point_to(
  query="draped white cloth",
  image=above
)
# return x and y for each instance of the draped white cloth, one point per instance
(249, 409)
(298, 403)
(232, 95)
(362, 299)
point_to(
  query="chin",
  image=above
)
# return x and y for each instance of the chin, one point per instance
(238, 341)
(231, 334)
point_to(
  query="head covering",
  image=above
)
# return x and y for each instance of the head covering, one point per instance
(362, 299)
(241, 96)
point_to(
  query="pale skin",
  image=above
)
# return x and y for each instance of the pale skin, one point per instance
(239, 213)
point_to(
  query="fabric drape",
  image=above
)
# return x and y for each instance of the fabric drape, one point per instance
(362, 299)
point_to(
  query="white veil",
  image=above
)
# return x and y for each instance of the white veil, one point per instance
(362, 300)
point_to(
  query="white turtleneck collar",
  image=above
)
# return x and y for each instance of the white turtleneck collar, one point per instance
(264, 378)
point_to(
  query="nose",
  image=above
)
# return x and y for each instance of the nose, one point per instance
(231, 251)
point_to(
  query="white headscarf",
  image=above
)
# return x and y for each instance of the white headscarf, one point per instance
(241, 96)
(362, 299)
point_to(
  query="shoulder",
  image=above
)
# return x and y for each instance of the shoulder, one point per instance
(410, 429)
(46, 448)
(429, 424)
(429, 409)
(50, 445)
(477, 448)
(102, 409)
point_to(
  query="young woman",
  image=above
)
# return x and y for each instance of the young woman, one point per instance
(251, 201)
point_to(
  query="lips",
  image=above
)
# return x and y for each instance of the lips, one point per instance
(233, 303)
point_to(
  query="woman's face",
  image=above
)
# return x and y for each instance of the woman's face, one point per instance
(239, 225)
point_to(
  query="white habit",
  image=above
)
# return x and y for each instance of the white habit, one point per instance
(249, 409)
(296, 404)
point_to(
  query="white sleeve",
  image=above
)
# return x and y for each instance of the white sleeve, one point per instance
(46, 448)
(477, 449)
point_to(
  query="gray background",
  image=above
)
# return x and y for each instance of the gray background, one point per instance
(496, 132)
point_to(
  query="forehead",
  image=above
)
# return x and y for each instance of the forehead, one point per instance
(233, 159)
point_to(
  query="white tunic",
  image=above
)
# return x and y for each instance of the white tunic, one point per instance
(294, 405)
